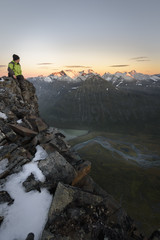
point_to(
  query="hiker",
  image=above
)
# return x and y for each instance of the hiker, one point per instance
(14, 70)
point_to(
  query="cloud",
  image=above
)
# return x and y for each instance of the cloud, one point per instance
(1, 66)
(141, 59)
(77, 66)
(125, 65)
(44, 63)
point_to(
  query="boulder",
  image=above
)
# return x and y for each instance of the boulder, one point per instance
(41, 125)
(55, 168)
(32, 184)
(23, 131)
(76, 214)
(5, 197)
(30, 236)
(6, 150)
(9, 133)
(37, 123)
(82, 170)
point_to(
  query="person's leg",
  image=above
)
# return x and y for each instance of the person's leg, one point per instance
(20, 79)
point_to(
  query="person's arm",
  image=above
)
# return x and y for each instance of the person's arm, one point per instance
(10, 70)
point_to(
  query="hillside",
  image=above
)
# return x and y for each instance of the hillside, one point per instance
(99, 104)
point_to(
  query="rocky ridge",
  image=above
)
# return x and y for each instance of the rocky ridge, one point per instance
(80, 209)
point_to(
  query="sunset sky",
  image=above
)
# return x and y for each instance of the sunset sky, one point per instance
(104, 35)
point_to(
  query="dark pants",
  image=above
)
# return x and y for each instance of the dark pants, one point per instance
(21, 80)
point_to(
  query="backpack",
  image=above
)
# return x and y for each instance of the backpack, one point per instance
(13, 67)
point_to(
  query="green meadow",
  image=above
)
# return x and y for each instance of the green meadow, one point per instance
(137, 188)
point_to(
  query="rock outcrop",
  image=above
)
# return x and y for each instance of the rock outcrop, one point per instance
(80, 209)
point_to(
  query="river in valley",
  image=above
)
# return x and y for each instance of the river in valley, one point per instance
(145, 160)
(127, 167)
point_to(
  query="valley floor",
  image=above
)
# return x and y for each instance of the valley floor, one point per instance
(128, 167)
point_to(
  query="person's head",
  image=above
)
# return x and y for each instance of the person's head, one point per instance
(16, 58)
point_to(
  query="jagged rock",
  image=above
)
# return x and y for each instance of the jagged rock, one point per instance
(32, 184)
(48, 148)
(59, 144)
(2, 136)
(9, 133)
(41, 125)
(17, 101)
(76, 214)
(30, 236)
(56, 168)
(82, 170)
(11, 116)
(1, 219)
(37, 123)
(7, 150)
(155, 235)
(5, 197)
(17, 159)
(87, 184)
(23, 131)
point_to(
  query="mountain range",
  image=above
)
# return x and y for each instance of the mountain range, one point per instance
(127, 80)
(88, 100)
(71, 75)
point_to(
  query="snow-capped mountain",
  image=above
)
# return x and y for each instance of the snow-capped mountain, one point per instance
(60, 76)
(132, 75)
(128, 80)
(134, 81)
(67, 76)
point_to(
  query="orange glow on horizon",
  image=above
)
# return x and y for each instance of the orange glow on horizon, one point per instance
(34, 72)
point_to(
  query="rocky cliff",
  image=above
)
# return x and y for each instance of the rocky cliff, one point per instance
(79, 208)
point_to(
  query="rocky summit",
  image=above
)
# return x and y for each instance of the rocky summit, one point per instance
(79, 208)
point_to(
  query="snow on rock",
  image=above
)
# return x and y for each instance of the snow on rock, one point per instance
(124, 75)
(107, 76)
(40, 154)
(129, 76)
(74, 88)
(3, 164)
(47, 79)
(3, 115)
(1, 80)
(154, 78)
(62, 76)
(29, 211)
(19, 121)
(72, 74)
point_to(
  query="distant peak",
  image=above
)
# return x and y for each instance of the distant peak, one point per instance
(133, 72)
(61, 73)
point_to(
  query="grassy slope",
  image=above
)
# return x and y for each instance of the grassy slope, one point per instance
(138, 189)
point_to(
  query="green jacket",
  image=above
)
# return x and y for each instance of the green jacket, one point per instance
(14, 69)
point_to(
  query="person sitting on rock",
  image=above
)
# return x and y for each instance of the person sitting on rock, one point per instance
(15, 71)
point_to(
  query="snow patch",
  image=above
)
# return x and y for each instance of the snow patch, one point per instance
(19, 121)
(74, 88)
(3, 115)
(29, 211)
(47, 79)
